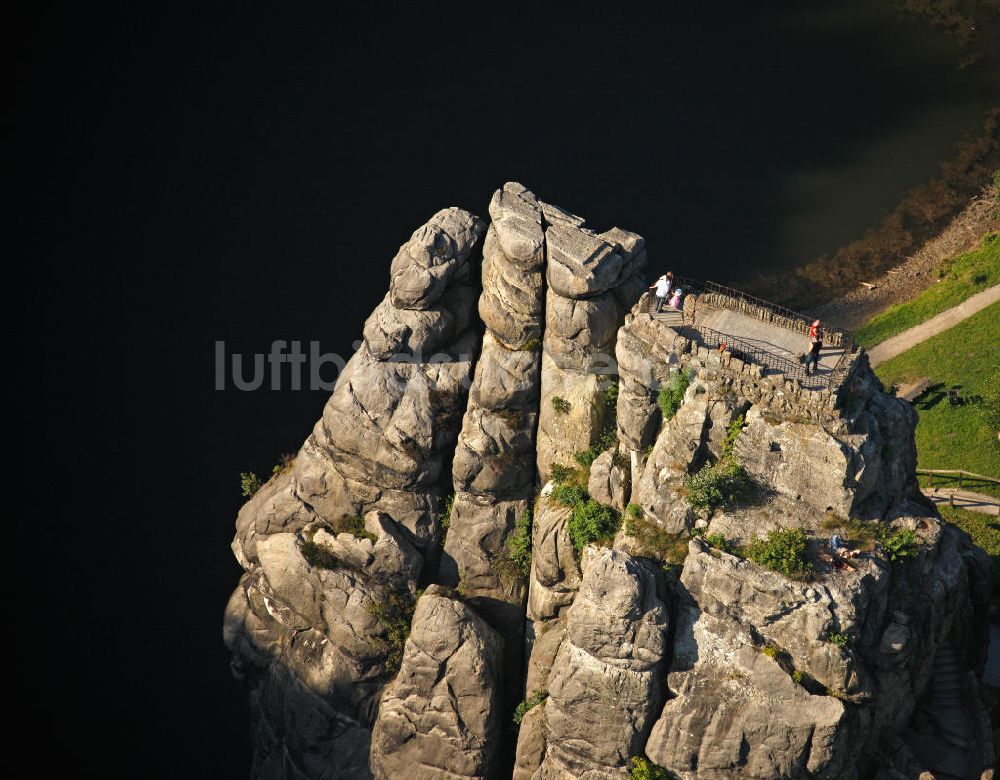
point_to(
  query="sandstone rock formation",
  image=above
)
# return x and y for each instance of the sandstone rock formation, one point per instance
(439, 718)
(593, 280)
(313, 624)
(605, 684)
(374, 642)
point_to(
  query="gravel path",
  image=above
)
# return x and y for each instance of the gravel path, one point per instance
(946, 319)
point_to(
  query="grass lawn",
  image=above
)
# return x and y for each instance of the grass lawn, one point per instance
(960, 278)
(963, 357)
(984, 530)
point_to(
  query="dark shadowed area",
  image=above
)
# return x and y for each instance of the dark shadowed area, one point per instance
(187, 177)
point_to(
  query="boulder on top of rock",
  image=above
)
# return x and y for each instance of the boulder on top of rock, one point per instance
(631, 246)
(436, 253)
(580, 263)
(610, 479)
(554, 215)
(517, 220)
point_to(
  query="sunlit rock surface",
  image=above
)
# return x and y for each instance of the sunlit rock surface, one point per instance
(380, 635)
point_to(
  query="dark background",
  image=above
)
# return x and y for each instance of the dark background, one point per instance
(187, 176)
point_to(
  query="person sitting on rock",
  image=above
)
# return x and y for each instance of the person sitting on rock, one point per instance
(662, 285)
(840, 547)
(675, 302)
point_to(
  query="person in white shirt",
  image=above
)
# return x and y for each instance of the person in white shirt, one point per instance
(662, 285)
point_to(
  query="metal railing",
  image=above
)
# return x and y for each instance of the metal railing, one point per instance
(771, 362)
(725, 297)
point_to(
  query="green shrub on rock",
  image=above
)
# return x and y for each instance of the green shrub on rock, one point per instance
(783, 552)
(519, 544)
(530, 703)
(318, 556)
(561, 405)
(568, 494)
(672, 394)
(249, 483)
(901, 545)
(718, 484)
(591, 522)
(644, 769)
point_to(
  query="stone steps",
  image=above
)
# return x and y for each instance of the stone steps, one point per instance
(945, 706)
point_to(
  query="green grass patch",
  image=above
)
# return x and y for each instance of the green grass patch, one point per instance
(964, 358)
(354, 525)
(318, 556)
(654, 542)
(720, 542)
(959, 278)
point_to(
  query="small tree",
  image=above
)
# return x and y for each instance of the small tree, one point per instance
(249, 483)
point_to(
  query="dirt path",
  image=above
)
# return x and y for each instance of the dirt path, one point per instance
(965, 499)
(946, 319)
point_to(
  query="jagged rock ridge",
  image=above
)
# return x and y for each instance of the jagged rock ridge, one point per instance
(713, 668)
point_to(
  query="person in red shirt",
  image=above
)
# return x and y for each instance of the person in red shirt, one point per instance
(816, 339)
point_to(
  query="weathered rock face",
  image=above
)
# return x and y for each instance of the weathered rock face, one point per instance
(811, 708)
(610, 480)
(862, 471)
(308, 638)
(436, 254)
(390, 423)
(438, 718)
(513, 262)
(741, 715)
(311, 624)
(555, 576)
(593, 280)
(605, 684)
(695, 434)
(493, 468)
(495, 451)
(351, 675)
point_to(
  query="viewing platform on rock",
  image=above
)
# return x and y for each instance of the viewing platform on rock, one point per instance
(757, 331)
